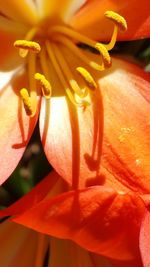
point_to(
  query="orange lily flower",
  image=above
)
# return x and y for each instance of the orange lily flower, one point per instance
(98, 218)
(53, 66)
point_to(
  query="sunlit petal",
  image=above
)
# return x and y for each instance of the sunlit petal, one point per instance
(126, 144)
(16, 127)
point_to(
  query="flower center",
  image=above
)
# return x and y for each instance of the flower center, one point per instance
(45, 50)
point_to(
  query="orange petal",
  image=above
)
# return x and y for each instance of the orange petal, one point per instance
(16, 127)
(72, 137)
(62, 10)
(24, 11)
(19, 245)
(97, 218)
(145, 240)
(9, 57)
(133, 263)
(35, 196)
(76, 256)
(90, 19)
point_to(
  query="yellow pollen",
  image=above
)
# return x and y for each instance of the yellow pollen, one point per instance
(117, 19)
(105, 55)
(46, 87)
(25, 46)
(27, 102)
(87, 77)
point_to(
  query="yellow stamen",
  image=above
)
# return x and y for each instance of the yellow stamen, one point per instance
(87, 77)
(46, 73)
(80, 38)
(46, 87)
(105, 55)
(82, 103)
(71, 33)
(25, 46)
(68, 74)
(44, 64)
(78, 52)
(120, 23)
(29, 45)
(117, 19)
(60, 38)
(31, 33)
(31, 64)
(27, 102)
(29, 36)
(58, 70)
(112, 42)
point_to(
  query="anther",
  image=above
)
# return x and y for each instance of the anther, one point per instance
(87, 77)
(117, 19)
(26, 46)
(27, 102)
(105, 55)
(46, 87)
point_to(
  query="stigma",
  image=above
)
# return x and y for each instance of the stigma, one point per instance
(48, 51)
